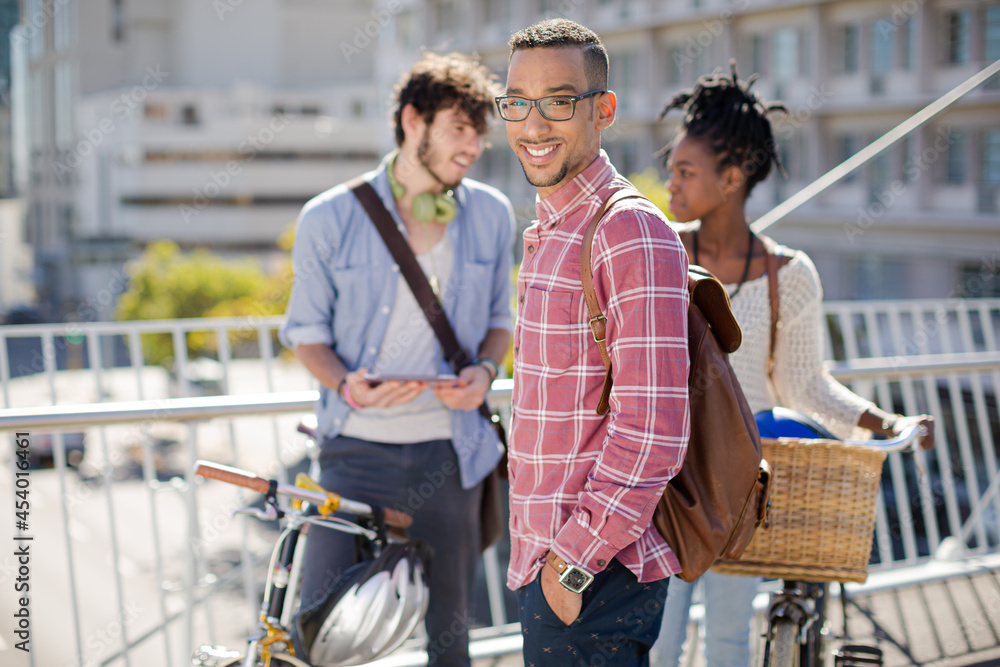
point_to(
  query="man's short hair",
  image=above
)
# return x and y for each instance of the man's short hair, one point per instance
(556, 33)
(437, 82)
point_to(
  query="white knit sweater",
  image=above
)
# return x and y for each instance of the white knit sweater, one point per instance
(803, 383)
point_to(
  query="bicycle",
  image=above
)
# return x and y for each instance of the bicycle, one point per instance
(390, 580)
(814, 479)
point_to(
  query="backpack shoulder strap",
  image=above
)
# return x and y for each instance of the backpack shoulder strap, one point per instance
(598, 322)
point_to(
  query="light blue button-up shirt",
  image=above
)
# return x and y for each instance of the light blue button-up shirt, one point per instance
(345, 286)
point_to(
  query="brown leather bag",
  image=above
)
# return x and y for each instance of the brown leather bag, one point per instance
(711, 508)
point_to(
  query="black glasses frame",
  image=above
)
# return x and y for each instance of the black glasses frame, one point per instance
(572, 99)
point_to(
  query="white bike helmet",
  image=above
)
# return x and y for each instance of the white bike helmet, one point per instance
(371, 610)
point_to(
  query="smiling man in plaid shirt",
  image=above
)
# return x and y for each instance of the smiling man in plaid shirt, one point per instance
(589, 567)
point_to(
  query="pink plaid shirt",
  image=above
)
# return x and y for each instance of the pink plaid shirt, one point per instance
(582, 484)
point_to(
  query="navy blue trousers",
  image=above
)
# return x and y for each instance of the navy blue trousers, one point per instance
(421, 479)
(618, 624)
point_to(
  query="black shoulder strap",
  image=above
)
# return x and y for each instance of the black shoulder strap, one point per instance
(410, 268)
(415, 278)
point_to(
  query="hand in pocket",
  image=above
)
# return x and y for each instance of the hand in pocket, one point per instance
(564, 603)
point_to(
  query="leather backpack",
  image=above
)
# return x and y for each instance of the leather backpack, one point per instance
(712, 506)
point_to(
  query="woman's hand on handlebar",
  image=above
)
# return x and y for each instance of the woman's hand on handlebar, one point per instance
(925, 421)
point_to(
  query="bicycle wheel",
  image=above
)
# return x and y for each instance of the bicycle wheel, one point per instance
(784, 645)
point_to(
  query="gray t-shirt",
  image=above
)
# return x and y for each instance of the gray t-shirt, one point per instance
(411, 348)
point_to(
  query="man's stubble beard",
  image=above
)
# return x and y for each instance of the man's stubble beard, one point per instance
(423, 156)
(555, 180)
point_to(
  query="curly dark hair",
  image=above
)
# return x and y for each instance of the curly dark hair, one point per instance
(445, 81)
(556, 33)
(733, 121)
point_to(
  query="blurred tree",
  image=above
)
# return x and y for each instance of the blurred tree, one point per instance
(165, 283)
(649, 184)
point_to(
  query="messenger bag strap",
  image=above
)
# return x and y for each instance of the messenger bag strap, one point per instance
(598, 322)
(416, 279)
(773, 253)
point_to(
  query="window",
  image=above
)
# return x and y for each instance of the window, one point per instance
(62, 26)
(991, 156)
(758, 55)
(955, 158)
(496, 11)
(991, 43)
(36, 38)
(883, 44)
(626, 71)
(979, 280)
(908, 148)
(189, 115)
(908, 45)
(877, 278)
(846, 146)
(846, 44)
(786, 54)
(992, 40)
(677, 71)
(445, 16)
(628, 157)
(118, 20)
(958, 36)
(63, 107)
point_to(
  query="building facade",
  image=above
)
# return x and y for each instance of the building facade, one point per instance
(920, 220)
(212, 122)
(209, 123)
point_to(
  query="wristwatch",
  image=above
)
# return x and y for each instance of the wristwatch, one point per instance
(573, 578)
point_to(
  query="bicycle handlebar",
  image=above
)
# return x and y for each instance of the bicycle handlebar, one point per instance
(909, 437)
(251, 481)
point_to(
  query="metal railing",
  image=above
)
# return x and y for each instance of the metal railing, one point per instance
(170, 567)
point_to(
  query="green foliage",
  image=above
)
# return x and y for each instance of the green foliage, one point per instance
(649, 184)
(165, 283)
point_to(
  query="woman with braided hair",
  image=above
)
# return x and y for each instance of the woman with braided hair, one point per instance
(723, 148)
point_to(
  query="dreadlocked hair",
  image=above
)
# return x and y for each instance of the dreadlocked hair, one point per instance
(733, 121)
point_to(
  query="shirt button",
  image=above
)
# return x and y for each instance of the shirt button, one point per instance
(516, 349)
(395, 268)
(601, 562)
(521, 299)
(385, 310)
(372, 350)
(336, 422)
(531, 248)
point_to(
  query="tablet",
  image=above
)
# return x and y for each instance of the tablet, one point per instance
(374, 379)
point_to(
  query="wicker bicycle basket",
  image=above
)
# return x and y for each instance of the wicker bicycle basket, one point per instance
(822, 513)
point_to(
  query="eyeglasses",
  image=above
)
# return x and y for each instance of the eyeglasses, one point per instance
(554, 107)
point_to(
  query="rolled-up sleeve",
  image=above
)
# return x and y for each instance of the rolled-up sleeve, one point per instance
(309, 315)
(640, 276)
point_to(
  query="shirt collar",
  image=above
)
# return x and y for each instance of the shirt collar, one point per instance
(560, 204)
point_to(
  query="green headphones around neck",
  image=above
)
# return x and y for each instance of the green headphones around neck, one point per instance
(427, 206)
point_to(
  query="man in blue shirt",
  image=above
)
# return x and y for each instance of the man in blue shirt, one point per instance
(418, 446)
